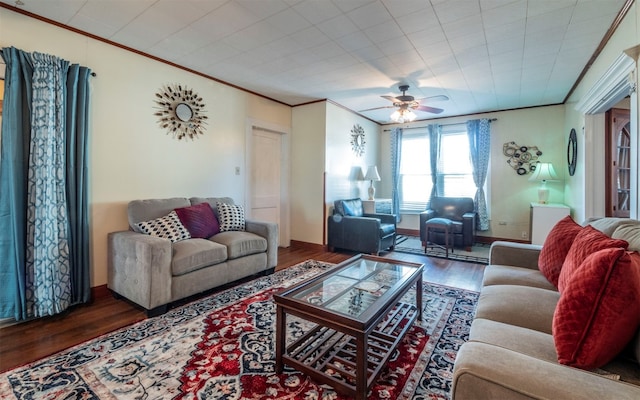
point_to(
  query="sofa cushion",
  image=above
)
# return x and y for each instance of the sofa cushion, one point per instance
(598, 313)
(629, 231)
(193, 254)
(199, 220)
(230, 217)
(145, 210)
(522, 340)
(524, 306)
(167, 227)
(240, 244)
(556, 247)
(589, 240)
(510, 275)
(212, 201)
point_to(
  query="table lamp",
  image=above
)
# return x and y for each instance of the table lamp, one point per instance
(372, 175)
(544, 172)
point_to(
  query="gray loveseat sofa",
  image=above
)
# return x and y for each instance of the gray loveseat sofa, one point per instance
(511, 353)
(155, 271)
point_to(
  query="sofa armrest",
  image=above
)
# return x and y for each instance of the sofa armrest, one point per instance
(515, 254)
(483, 371)
(269, 231)
(139, 268)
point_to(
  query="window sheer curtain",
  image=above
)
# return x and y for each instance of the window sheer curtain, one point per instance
(44, 235)
(434, 150)
(479, 132)
(396, 156)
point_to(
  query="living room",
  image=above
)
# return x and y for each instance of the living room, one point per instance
(133, 158)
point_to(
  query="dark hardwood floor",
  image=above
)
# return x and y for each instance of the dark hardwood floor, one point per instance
(29, 341)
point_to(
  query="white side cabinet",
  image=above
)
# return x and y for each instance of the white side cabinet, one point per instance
(379, 206)
(543, 219)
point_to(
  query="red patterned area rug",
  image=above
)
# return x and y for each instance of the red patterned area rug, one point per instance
(222, 347)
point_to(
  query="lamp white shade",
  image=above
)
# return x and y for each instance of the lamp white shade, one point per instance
(372, 175)
(544, 172)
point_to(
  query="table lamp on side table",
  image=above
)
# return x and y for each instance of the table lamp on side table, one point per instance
(544, 172)
(372, 175)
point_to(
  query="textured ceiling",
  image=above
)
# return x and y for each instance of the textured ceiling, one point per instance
(485, 55)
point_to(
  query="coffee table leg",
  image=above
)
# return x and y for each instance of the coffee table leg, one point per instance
(281, 325)
(361, 366)
(419, 297)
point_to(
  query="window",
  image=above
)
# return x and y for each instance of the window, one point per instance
(455, 172)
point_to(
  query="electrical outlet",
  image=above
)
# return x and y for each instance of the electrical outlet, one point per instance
(524, 234)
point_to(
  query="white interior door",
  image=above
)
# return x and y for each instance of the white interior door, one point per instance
(265, 175)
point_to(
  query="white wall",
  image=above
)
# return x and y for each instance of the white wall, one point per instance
(511, 194)
(131, 157)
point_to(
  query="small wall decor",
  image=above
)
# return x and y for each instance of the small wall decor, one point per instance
(521, 158)
(180, 111)
(357, 140)
(572, 152)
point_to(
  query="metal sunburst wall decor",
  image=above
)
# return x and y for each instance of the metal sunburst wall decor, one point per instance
(180, 111)
(357, 140)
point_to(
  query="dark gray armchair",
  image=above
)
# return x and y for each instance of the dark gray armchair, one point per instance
(349, 228)
(460, 211)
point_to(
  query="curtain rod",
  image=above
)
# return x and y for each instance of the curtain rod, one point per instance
(421, 127)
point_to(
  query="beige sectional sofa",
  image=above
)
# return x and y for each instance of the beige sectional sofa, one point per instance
(154, 271)
(511, 352)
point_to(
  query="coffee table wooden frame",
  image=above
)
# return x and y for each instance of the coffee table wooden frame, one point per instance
(326, 352)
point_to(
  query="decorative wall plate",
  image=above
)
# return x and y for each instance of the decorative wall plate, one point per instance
(357, 140)
(180, 111)
(572, 152)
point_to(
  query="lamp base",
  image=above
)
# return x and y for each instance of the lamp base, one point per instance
(372, 192)
(543, 195)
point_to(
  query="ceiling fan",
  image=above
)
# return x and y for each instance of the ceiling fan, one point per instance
(406, 104)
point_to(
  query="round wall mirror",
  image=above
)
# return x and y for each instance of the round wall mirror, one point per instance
(184, 112)
(572, 152)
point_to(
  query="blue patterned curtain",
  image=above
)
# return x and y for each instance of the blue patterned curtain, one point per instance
(43, 203)
(396, 154)
(479, 132)
(434, 152)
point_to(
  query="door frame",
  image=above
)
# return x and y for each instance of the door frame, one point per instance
(285, 173)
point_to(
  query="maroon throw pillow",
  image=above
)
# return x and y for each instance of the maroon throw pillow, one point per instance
(598, 312)
(556, 247)
(199, 220)
(588, 241)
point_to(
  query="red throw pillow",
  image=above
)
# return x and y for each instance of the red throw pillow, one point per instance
(588, 241)
(199, 220)
(598, 312)
(556, 247)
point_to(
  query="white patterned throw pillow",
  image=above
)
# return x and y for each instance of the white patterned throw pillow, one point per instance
(168, 227)
(231, 217)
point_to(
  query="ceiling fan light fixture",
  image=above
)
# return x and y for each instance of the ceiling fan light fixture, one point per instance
(403, 115)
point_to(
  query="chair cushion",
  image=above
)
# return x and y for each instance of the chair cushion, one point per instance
(193, 254)
(349, 208)
(241, 244)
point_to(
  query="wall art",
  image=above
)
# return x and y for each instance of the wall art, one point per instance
(357, 140)
(523, 159)
(180, 111)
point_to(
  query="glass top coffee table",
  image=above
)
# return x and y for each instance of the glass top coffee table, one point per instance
(355, 309)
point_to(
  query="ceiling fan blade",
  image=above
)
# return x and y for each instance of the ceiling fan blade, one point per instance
(376, 108)
(439, 97)
(432, 110)
(391, 99)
